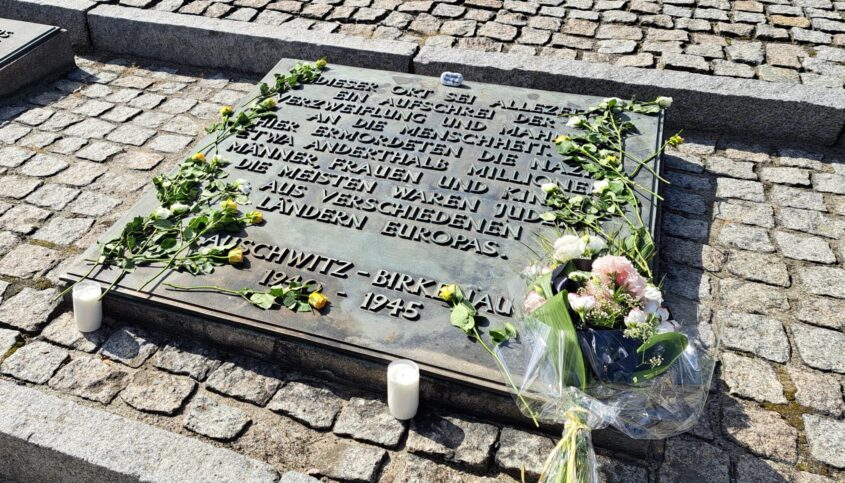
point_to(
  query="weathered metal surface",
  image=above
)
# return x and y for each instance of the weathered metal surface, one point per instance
(382, 186)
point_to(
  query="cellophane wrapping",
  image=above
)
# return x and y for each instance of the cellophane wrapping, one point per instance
(549, 392)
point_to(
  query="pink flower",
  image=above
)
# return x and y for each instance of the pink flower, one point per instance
(620, 270)
(635, 284)
(532, 302)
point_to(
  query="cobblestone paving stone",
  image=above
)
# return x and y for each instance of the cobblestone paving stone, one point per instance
(785, 41)
(776, 409)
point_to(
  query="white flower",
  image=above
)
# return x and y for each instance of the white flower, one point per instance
(575, 121)
(548, 187)
(664, 102)
(162, 213)
(635, 316)
(243, 185)
(535, 270)
(595, 244)
(668, 326)
(653, 298)
(179, 208)
(662, 313)
(600, 186)
(568, 247)
(532, 302)
(581, 303)
(609, 102)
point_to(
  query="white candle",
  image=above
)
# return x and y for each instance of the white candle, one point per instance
(87, 308)
(403, 389)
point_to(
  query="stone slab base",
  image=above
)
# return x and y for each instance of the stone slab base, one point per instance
(46, 438)
(46, 61)
(339, 366)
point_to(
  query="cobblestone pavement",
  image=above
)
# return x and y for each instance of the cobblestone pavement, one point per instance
(791, 41)
(754, 233)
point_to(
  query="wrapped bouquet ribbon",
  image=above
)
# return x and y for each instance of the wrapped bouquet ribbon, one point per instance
(597, 346)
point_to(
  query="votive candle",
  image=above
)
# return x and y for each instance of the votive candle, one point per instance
(403, 389)
(87, 308)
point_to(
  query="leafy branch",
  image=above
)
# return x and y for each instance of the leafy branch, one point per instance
(464, 316)
(295, 296)
(599, 149)
(196, 201)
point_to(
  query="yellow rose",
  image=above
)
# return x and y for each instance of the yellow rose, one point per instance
(229, 206)
(447, 292)
(198, 157)
(675, 140)
(226, 111)
(268, 103)
(561, 138)
(236, 256)
(254, 217)
(322, 63)
(317, 300)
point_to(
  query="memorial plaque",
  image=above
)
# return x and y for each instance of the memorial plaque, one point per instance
(29, 52)
(382, 186)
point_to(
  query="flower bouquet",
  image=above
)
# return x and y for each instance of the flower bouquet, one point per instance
(598, 347)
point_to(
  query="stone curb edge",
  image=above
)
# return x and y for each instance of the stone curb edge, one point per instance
(793, 112)
(702, 102)
(47, 438)
(208, 42)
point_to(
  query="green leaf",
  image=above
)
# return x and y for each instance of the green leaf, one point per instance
(563, 349)
(167, 243)
(668, 346)
(278, 290)
(262, 300)
(463, 317)
(163, 224)
(503, 334)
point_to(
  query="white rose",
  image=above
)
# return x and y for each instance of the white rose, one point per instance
(664, 102)
(179, 208)
(162, 213)
(575, 121)
(532, 271)
(568, 247)
(244, 186)
(662, 313)
(653, 298)
(668, 326)
(549, 187)
(596, 244)
(609, 102)
(600, 186)
(581, 303)
(635, 316)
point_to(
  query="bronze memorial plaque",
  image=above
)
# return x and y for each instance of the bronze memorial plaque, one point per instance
(31, 53)
(17, 38)
(382, 186)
